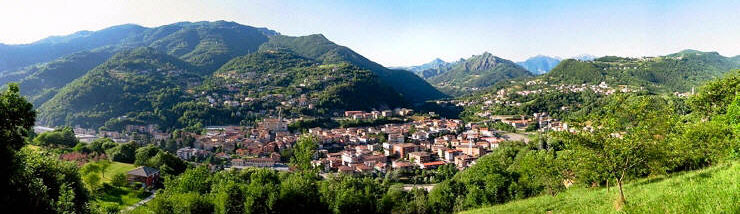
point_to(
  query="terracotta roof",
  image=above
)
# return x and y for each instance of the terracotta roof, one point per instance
(434, 163)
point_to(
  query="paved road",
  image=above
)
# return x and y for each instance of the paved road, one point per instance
(142, 202)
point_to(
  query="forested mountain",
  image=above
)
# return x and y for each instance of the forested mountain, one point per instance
(155, 72)
(137, 80)
(44, 80)
(318, 48)
(207, 44)
(736, 59)
(540, 64)
(145, 86)
(675, 72)
(477, 72)
(17, 56)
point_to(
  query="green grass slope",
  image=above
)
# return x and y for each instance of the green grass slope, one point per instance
(711, 190)
(119, 197)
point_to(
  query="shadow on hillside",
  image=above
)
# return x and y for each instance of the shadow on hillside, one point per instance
(705, 174)
(649, 181)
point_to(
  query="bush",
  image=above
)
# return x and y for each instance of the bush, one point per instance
(119, 180)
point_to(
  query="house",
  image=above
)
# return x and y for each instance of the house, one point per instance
(352, 113)
(405, 112)
(518, 123)
(420, 135)
(364, 169)
(403, 149)
(143, 174)
(273, 124)
(401, 165)
(395, 138)
(420, 157)
(471, 150)
(431, 165)
(463, 161)
(346, 170)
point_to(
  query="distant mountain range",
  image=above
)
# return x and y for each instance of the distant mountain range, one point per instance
(584, 57)
(133, 74)
(430, 69)
(540, 64)
(477, 72)
(536, 65)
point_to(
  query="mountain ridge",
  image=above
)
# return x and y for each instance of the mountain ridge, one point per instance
(477, 72)
(540, 64)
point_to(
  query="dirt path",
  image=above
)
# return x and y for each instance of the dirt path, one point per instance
(142, 202)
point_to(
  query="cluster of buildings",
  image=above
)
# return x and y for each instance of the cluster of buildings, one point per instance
(503, 98)
(423, 144)
(359, 115)
(131, 132)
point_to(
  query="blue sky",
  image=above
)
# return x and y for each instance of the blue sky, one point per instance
(413, 32)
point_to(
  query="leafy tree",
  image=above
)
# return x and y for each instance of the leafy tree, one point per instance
(715, 96)
(93, 181)
(119, 180)
(443, 198)
(299, 194)
(194, 180)
(32, 182)
(628, 138)
(125, 153)
(262, 192)
(304, 152)
(445, 172)
(63, 137)
(168, 163)
(230, 200)
(144, 154)
(101, 145)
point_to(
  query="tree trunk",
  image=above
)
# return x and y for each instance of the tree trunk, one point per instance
(607, 185)
(621, 192)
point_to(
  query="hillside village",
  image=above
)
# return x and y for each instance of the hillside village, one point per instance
(424, 143)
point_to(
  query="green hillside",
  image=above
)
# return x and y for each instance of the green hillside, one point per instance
(675, 72)
(206, 44)
(477, 72)
(17, 56)
(711, 190)
(317, 47)
(301, 81)
(45, 80)
(130, 81)
(145, 86)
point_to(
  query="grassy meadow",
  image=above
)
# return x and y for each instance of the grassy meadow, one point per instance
(711, 190)
(121, 197)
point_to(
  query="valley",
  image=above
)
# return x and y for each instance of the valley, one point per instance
(221, 117)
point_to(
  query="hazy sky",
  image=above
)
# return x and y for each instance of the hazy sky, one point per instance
(413, 32)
